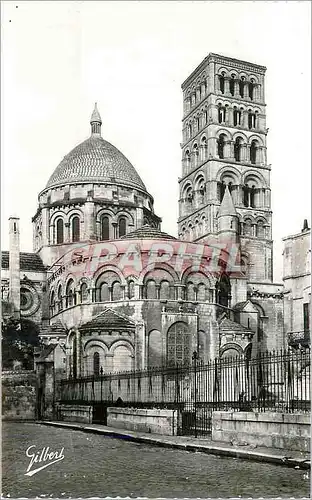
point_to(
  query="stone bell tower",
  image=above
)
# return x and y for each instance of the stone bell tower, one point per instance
(224, 150)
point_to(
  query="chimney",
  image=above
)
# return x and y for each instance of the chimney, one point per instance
(14, 265)
(305, 226)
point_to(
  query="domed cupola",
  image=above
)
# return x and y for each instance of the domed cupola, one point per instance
(95, 160)
(95, 193)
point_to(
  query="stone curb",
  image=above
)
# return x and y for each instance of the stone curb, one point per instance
(209, 449)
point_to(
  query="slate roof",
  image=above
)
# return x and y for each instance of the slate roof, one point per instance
(95, 160)
(240, 305)
(28, 262)
(227, 206)
(57, 329)
(226, 325)
(108, 319)
(148, 233)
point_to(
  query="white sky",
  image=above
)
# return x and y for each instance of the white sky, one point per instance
(58, 58)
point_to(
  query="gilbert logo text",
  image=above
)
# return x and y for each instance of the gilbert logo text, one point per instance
(43, 457)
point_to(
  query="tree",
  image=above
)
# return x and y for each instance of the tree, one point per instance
(19, 337)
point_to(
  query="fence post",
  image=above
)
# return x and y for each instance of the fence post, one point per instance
(195, 358)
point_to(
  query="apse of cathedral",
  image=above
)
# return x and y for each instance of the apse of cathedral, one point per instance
(111, 291)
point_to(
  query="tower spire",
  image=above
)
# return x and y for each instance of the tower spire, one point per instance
(95, 121)
(227, 206)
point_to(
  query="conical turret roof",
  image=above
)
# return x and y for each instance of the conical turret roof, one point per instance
(227, 206)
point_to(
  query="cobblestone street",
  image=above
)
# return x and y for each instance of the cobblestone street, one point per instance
(95, 465)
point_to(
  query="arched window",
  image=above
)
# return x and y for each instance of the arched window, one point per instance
(195, 154)
(84, 292)
(203, 146)
(189, 195)
(122, 227)
(232, 84)
(260, 229)
(104, 293)
(251, 89)
(70, 293)
(197, 124)
(249, 196)
(178, 344)
(253, 152)
(151, 289)
(60, 299)
(105, 228)
(221, 81)
(221, 144)
(237, 149)
(251, 120)
(187, 158)
(241, 86)
(131, 289)
(96, 364)
(222, 187)
(189, 130)
(59, 231)
(248, 227)
(221, 114)
(205, 117)
(190, 291)
(116, 291)
(224, 291)
(75, 223)
(52, 303)
(201, 292)
(164, 291)
(237, 116)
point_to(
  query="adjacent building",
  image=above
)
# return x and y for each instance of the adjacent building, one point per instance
(297, 287)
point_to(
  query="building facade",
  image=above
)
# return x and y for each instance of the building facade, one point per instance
(297, 287)
(114, 290)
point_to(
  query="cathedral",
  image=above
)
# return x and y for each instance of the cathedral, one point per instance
(109, 290)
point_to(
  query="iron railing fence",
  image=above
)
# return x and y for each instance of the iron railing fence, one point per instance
(272, 381)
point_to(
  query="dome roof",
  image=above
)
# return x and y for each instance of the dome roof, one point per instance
(95, 160)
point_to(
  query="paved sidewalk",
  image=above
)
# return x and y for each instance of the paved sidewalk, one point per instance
(205, 445)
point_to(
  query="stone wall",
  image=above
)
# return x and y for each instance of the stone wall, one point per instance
(74, 413)
(153, 421)
(19, 395)
(272, 430)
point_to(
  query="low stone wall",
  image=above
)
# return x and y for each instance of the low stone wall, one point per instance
(19, 395)
(74, 413)
(153, 421)
(273, 430)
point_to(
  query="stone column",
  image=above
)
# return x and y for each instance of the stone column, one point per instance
(14, 265)
(231, 149)
(203, 89)
(261, 155)
(139, 345)
(227, 150)
(230, 116)
(248, 153)
(246, 92)
(245, 119)
(79, 353)
(45, 216)
(67, 232)
(236, 88)
(243, 152)
(89, 219)
(226, 86)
